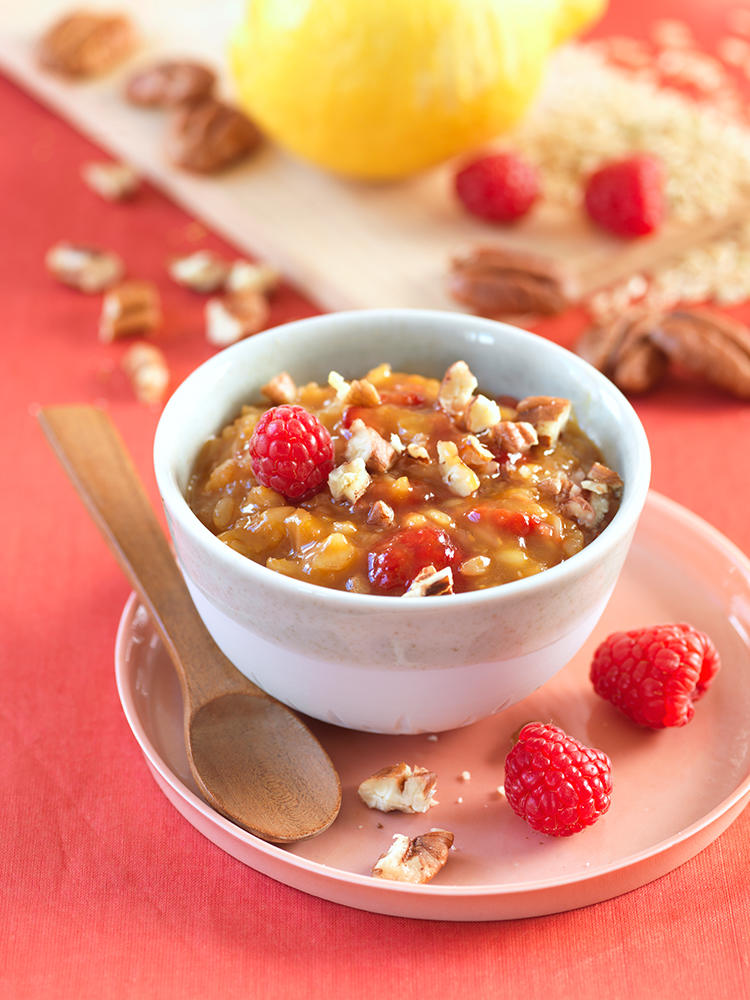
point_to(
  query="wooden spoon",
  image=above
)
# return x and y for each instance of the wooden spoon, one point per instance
(252, 758)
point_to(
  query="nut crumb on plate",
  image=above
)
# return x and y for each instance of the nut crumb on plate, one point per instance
(86, 268)
(134, 307)
(417, 859)
(400, 788)
(111, 181)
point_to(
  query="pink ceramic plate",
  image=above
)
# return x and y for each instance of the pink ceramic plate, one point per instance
(675, 791)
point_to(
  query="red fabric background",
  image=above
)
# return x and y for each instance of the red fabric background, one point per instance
(105, 892)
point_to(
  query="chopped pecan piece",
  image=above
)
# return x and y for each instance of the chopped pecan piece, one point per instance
(430, 582)
(381, 514)
(111, 181)
(365, 443)
(416, 449)
(400, 788)
(146, 367)
(515, 436)
(202, 271)
(360, 392)
(456, 389)
(579, 509)
(493, 281)
(480, 414)
(397, 444)
(281, 389)
(166, 84)
(417, 859)
(235, 317)
(86, 43)
(547, 414)
(709, 344)
(457, 475)
(246, 277)
(623, 348)
(474, 453)
(85, 268)
(349, 481)
(207, 136)
(130, 308)
(601, 479)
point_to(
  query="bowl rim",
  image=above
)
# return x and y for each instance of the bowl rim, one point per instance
(177, 507)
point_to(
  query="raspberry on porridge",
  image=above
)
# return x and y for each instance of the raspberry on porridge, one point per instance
(398, 484)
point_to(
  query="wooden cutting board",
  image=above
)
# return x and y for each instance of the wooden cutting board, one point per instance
(347, 244)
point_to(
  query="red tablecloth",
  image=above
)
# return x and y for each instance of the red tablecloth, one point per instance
(105, 891)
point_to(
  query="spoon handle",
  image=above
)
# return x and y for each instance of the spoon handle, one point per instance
(96, 460)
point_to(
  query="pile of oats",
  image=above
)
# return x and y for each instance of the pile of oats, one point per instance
(667, 97)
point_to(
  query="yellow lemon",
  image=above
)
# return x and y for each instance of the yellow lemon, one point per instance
(384, 88)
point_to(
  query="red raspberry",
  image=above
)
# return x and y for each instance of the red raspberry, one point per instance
(655, 674)
(396, 562)
(501, 188)
(627, 197)
(555, 783)
(291, 451)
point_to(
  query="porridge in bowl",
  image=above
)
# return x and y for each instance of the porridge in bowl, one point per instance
(398, 484)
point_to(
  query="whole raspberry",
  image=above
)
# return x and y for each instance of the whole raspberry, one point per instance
(654, 675)
(396, 561)
(500, 188)
(555, 783)
(627, 197)
(291, 451)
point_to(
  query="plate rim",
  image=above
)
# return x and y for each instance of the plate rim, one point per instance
(488, 890)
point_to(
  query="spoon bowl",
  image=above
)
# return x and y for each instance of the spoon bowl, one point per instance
(253, 759)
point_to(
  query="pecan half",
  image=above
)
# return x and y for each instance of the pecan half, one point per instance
(495, 281)
(709, 344)
(623, 348)
(166, 84)
(207, 136)
(86, 43)
(417, 859)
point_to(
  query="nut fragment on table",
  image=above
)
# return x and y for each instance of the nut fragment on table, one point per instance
(111, 181)
(246, 277)
(417, 859)
(86, 43)
(400, 788)
(88, 269)
(134, 307)
(208, 136)
(166, 84)
(202, 271)
(234, 317)
(146, 367)
(494, 281)
(431, 582)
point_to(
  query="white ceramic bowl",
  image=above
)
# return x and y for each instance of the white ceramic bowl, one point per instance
(381, 663)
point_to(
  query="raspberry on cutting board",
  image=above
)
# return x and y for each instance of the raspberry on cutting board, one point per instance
(627, 196)
(499, 188)
(291, 451)
(655, 675)
(558, 785)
